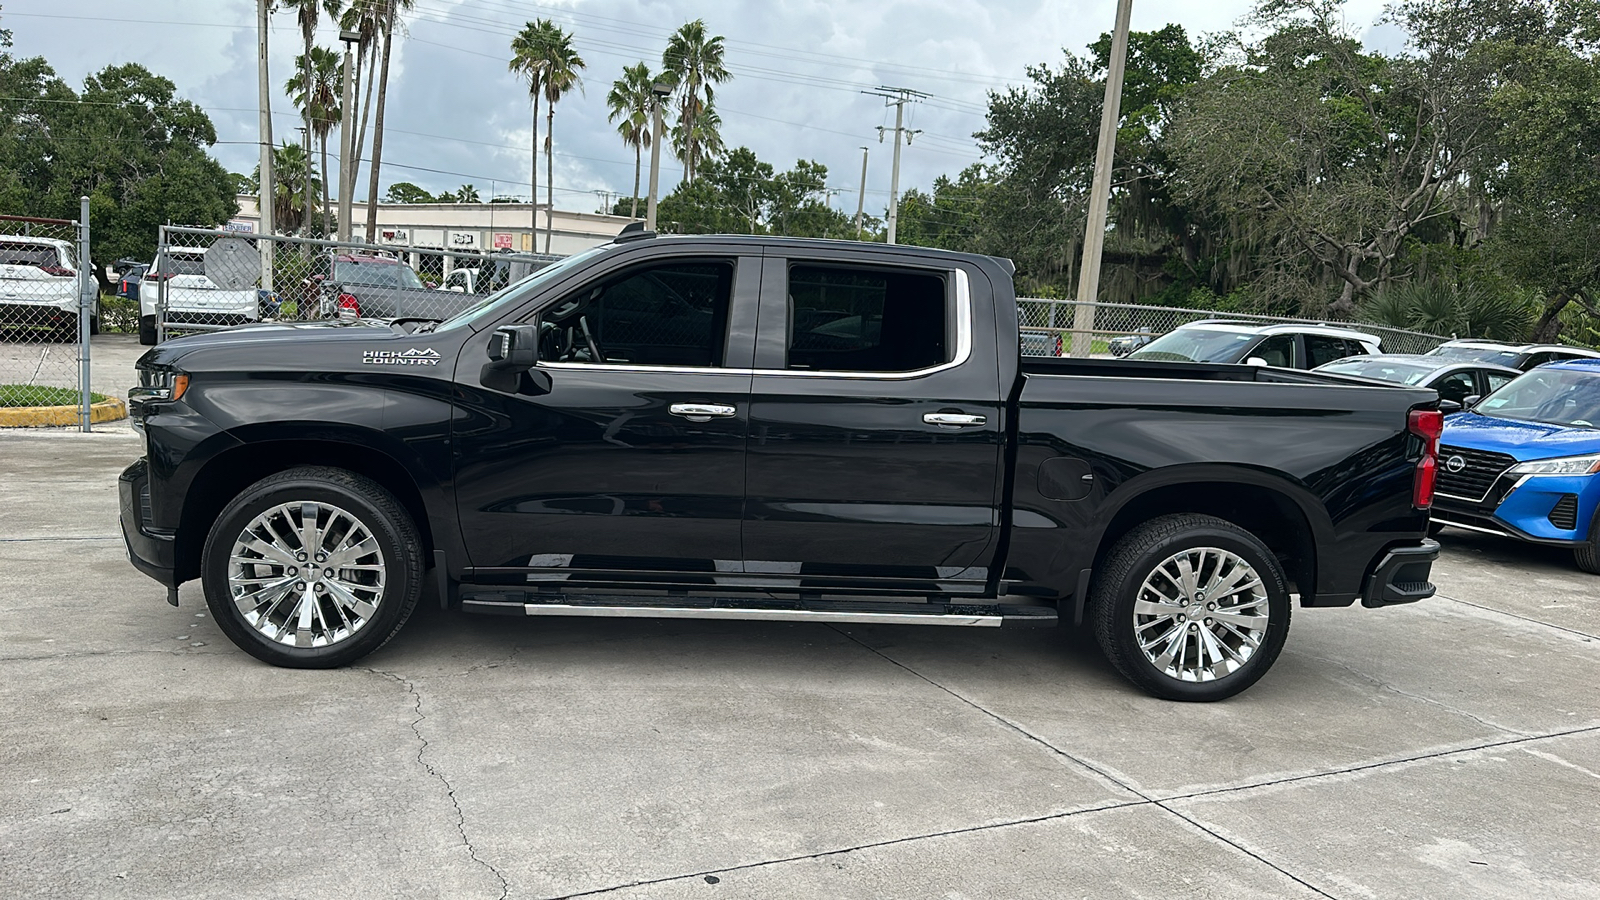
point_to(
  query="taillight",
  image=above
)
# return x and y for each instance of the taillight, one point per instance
(1427, 424)
(56, 270)
(349, 302)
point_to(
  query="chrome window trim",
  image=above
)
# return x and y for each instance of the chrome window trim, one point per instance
(964, 328)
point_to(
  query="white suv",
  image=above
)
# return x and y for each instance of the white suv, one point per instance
(1289, 345)
(192, 298)
(39, 285)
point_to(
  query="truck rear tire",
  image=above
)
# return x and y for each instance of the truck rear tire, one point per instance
(312, 568)
(1190, 607)
(147, 330)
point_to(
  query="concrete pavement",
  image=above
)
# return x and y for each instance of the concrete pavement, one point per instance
(1447, 749)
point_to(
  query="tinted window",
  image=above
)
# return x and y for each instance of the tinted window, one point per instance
(665, 315)
(23, 254)
(1496, 381)
(182, 264)
(865, 320)
(1277, 350)
(1320, 349)
(1457, 387)
(376, 274)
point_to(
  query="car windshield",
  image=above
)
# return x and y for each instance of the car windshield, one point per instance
(1476, 354)
(516, 292)
(376, 274)
(1196, 345)
(1383, 370)
(1552, 396)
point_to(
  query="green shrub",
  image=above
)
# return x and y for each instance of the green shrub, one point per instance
(118, 314)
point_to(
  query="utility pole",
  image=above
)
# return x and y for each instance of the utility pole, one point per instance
(898, 98)
(347, 136)
(305, 143)
(1094, 236)
(660, 91)
(265, 190)
(861, 193)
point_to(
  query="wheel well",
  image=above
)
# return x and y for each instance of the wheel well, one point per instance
(1268, 514)
(231, 471)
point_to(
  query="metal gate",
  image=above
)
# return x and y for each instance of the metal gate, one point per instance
(208, 280)
(49, 307)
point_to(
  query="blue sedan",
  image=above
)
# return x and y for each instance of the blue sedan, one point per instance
(1524, 462)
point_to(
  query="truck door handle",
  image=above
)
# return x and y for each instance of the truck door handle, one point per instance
(701, 412)
(954, 420)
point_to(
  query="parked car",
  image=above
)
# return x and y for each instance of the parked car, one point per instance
(382, 287)
(193, 301)
(493, 274)
(1524, 462)
(39, 286)
(1455, 380)
(769, 428)
(1124, 344)
(1517, 356)
(1042, 343)
(129, 273)
(1285, 346)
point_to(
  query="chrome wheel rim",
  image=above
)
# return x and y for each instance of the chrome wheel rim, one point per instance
(306, 574)
(1201, 614)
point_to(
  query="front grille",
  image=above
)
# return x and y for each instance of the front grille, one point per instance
(1565, 515)
(1479, 470)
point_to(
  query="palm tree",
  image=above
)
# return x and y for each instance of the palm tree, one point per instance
(543, 52)
(468, 194)
(290, 167)
(387, 15)
(704, 136)
(631, 101)
(307, 12)
(362, 17)
(320, 104)
(694, 64)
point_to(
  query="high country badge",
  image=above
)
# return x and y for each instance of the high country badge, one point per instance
(426, 356)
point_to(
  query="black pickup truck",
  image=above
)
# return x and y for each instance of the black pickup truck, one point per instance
(756, 428)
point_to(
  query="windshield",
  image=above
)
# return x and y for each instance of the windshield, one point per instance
(1476, 354)
(376, 274)
(1552, 396)
(514, 293)
(1196, 345)
(1383, 370)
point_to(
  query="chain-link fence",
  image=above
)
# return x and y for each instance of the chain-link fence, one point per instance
(1049, 327)
(49, 306)
(208, 280)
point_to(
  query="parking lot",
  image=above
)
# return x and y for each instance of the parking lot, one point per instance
(1446, 749)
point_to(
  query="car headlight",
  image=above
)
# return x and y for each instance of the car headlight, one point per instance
(159, 384)
(1564, 465)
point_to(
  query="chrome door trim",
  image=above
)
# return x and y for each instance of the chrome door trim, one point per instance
(759, 615)
(962, 354)
(954, 420)
(701, 412)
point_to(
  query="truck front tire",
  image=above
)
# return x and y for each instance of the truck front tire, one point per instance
(312, 568)
(1190, 607)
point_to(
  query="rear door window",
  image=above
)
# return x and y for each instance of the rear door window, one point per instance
(866, 319)
(1322, 349)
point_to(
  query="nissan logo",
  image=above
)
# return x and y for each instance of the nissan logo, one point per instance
(1455, 464)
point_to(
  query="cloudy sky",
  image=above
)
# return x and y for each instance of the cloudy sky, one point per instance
(456, 116)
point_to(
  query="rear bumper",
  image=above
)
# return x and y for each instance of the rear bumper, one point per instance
(1401, 576)
(151, 551)
(31, 311)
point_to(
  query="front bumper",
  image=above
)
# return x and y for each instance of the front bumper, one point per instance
(1401, 576)
(152, 551)
(1521, 508)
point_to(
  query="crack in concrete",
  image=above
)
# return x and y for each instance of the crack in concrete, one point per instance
(184, 650)
(450, 790)
(1418, 697)
(840, 851)
(1530, 620)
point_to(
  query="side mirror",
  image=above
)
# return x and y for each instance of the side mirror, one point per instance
(1255, 361)
(1470, 401)
(1450, 406)
(512, 351)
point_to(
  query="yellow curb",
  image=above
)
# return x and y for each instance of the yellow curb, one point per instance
(41, 416)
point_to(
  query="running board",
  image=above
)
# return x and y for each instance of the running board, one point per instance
(760, 615)
(989, 614)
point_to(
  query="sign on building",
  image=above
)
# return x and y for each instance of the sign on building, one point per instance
(464, 240)
(502, 240)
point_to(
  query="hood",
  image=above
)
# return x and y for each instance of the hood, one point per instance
(1522, 440)
(289, 334)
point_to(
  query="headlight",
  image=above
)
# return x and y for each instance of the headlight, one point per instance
(159, 384)
(1565, 465)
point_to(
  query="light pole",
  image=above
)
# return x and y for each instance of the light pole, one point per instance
(347, 137)
(861, 194)
(660, 91)
(266, 191)
(305, 205)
